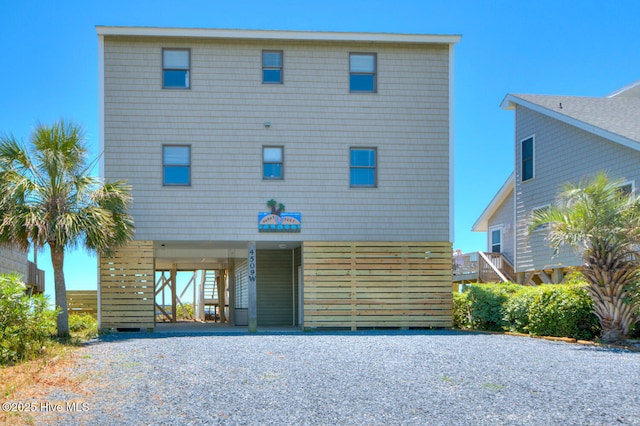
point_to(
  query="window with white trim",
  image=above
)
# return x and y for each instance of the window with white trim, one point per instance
(528, 161)
(536, 210)
(496, 239)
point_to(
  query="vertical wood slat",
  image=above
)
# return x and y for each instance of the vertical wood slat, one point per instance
(126, 285)
(377, 284)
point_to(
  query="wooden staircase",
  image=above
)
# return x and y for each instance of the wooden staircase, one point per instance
(494, 267)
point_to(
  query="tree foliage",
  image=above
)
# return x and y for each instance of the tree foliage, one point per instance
(48, 197)
(603, 225)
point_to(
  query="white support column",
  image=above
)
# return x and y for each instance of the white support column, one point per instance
(253, 296)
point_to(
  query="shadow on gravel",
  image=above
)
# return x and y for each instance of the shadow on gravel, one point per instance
(124, 336)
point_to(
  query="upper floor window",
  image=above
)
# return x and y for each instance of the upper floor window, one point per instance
(527, 159)
(363, 167)
(272, 162)
(272, 66)
(176, 165)
(175, 68)
(362, 72)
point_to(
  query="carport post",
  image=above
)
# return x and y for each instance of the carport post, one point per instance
(252, 310)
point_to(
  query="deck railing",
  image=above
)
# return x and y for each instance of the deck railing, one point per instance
(35, 278)
(486, 267)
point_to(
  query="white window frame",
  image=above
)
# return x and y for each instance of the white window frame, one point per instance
(633, 186)
(491, 230)
(533, 158)
(542, 227)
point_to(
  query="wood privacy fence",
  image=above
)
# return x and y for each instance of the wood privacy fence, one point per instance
(83, 302)
(127, 287)
(369, 284)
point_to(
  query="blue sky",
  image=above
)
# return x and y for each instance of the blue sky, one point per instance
(48, 67)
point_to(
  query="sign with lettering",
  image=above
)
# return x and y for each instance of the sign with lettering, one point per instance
(279, 222)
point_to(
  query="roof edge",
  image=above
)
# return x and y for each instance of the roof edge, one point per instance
(510, 101)
(481, 225)
(276, 34)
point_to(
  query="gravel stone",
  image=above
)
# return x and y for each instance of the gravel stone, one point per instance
(353, 378)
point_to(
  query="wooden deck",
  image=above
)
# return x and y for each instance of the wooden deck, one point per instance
(482, 267)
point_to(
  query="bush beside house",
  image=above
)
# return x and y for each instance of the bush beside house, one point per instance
(550, 310)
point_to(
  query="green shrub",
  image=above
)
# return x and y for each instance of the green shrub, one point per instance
(185, 312)
(486, 305)
(461, 311)
(83, 326)
(562, 311)
(26, 323)
(516, 309)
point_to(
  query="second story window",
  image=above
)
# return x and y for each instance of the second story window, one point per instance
(362, 72)
(176, 165)
(272, 66)
(527, 159)
(272, 162)
(363, 168)
(175, 68)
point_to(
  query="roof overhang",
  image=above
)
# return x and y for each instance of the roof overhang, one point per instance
(510, 101)
(482, 224)
(276, 35)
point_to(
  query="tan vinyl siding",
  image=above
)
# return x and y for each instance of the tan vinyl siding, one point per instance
(312, 115)
(563, 153)
(274, 287)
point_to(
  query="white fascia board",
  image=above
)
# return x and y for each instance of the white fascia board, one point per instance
(482, 223)
(451, 150)
(276, 35)
(101, 106)
(510, 101)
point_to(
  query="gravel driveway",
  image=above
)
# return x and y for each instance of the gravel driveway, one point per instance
(370, 378)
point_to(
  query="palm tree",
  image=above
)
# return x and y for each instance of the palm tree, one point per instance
(47, 197)
(603, 225)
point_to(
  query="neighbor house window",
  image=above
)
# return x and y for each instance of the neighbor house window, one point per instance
(176, 165)
(527, 159)
(496, 240)
(272, 162)
(272, 66)
(626, 188)
(175, 68)
(362, 72)
(537, 210)
(363, 167)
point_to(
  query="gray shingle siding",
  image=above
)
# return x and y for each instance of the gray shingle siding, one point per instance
(563, 153)
(312, 115)
(503, 217)
(13, 260)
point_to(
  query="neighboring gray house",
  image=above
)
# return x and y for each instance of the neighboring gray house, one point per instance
(350, 132)
(559, 139)
(13, 260)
